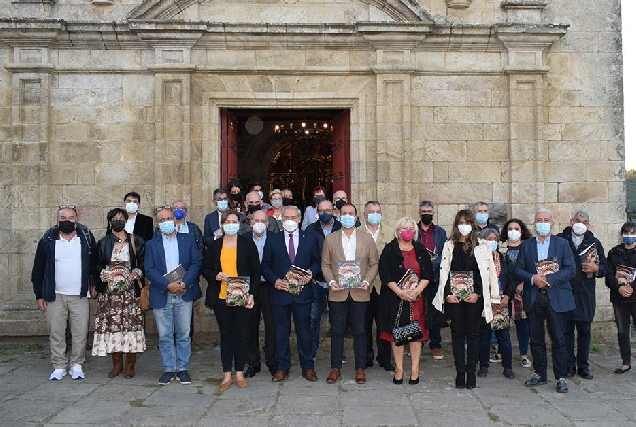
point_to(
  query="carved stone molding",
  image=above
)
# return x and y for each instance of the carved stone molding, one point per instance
(526, 46)
(524, 11)
(458, 4)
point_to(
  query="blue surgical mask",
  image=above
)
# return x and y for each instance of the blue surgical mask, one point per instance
(277, 203)
(348, 221)
(167, 227)
(230, 229)
(629, 239)
(260, 194)
(543, 228)
(481, 218)
(374, 218)
(492, 244)
(179, 213)
(325, 218)
(221, 205)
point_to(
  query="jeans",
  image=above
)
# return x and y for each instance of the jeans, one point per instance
(465, 319)
(282, 320)
(174, 320)
(338, 314)
(503, 340)
(523, 335)
(320, 294)
(583, 339)
(384, 347)
(622, 312)
(58, 313)
(537, 317)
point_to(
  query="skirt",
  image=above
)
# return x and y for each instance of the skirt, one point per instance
(119, 324)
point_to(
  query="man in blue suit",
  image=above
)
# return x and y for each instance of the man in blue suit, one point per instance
(547, 297)
(171, 299)
(296, 247)
(212, 222)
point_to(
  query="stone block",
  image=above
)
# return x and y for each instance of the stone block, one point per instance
(454, 131)
(605, 171)
(580, 192)
(564, 171)
(488, 151)
(563, 151)
(123, 173)
(444, 150)
(475, 171)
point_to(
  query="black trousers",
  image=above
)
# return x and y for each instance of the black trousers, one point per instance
(261, 308)
(465, 320)
(384, 347)
(232, 325)
(624, 312)
(541, 314)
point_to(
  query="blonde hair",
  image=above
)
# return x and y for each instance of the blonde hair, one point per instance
(406, 221)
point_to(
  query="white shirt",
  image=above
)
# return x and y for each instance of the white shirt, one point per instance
(295, 237)
(374, 235)
(68, 266)
(130, 224)
(349, 245)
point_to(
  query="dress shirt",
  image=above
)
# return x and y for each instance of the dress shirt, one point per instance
(542, 249)
(349, 245)
(130, 224)
(171, 250)
(295, 237)
(183, 228)
(374, 235)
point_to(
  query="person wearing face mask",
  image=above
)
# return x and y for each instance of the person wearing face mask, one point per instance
(180, 211)
(547, 297)
(235, 196)
(339, 200)
(137, 223)
(259, 190)
(516, 232)
(253, 203)
(325, 225)
(381, 236)
(463, 253)
(62, 268)
(347, 244)
(621, 265)
(584, 290)
(311, 213)
(171, 298)
(433, 237)
(482, 216)
(119, 322)
(506, 293)
(281, 251)
(276, 200)
(231, 256)
(212, 223)
(402, 253)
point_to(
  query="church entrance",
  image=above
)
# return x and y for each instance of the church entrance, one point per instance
(286, 148)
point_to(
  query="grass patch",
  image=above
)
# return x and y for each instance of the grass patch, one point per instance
(13, 349)
(595, 349)
(534, 390)
(493, 417)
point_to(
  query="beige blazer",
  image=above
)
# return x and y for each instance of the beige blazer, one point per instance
(366, 253)
(385, 236)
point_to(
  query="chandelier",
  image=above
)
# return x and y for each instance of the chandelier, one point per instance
(303, 129)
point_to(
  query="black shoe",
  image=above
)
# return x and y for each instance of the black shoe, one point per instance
(388, 366)
(166, 377)
(184, 377)
(508, 373)
(622, 371)
(585, 373)
(414, 381)
(483, 372)
(250, 372)
(570, 373)
(370, 364)
(398, 382)
(562, 386)
(460, 380)
(535, 380)
(471, 380)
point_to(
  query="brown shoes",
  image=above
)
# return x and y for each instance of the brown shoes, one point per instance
(361, 378)
(310, 375)
(118, 364)
(241, 383)
(333, 376)
(224, 386)
(280, 376)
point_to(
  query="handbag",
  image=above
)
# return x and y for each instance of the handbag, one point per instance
(144, 294)
(407, 333)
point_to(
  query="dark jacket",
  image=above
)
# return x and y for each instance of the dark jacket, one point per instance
(584, 288)
(105, 252)
(144, 226)
(247, 264)
(391, 269)
(43, 272)
(440, 237)
(195, 231)
(211, 224)
(616, 256)
(315, 229)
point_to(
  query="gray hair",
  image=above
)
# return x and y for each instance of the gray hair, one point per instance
(480, 203)
(585, 214)
(298, 214)
(483, 234)
(540, 210)
(427, 203)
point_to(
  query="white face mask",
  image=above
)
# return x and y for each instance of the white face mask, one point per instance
(259, 228)
(290, 226)
(579, 228)
(132, 207)
(464, 229)
(514, 235)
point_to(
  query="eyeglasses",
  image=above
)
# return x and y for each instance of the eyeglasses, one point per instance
(67, 207)
(161, 208)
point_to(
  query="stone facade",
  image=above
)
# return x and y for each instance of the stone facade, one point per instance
(518, 102)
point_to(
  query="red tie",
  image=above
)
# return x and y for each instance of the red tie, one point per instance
(292, 251)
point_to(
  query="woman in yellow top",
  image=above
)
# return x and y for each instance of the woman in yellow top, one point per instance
(231, 256)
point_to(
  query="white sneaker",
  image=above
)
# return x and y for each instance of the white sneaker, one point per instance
(76, 372)
(57, 374)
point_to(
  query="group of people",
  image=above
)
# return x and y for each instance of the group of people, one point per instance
(269, 260)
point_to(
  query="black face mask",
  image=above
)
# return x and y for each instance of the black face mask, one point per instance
(287, 201)
(117, 225)
(66, 227)
(318, 199)
(253, 208)
(236, 197)
(340, 204)
(427, 219)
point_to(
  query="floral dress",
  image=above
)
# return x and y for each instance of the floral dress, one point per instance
(119, 324)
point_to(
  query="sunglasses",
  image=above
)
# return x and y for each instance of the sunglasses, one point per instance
(67, 207)
(161, 208)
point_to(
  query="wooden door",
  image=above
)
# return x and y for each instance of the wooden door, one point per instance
(341, 153)
(229, 148)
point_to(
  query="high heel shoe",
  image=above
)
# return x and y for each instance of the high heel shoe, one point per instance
(622, 371)
(414, 381)
(398, 382)
(460, 380)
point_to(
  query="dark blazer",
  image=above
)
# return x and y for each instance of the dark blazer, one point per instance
(276, 263)
(195, 230)
(616, 256)
(211, 224)
(272, 225)
(584, 288)
(247, 264)
(105, 252)
(316, 229)
(155, 265)
(144, 227)
(560, 290)
(391, 269)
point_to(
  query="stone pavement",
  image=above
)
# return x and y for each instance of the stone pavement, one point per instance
(27, 397)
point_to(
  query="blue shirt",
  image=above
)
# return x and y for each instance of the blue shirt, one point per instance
(327, 231)
(183, 228)
(542, 248)
(260, 243)
(171, 250)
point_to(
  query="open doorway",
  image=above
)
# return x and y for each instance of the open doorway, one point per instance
(286, 148)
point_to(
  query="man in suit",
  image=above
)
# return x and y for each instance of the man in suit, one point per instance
(137, 223)
(296, 247)
(212, 222)
(381, 236)
(171, 299)
(253, 203)
(348, 245)
(547, 297)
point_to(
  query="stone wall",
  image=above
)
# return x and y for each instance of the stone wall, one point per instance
(517, 102)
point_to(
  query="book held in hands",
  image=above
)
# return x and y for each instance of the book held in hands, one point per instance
(409, 281)
(462, 284)
(238, 289)
(349, 274)
(296, 279)
(589, 254)
(178, 273)
(500, 317)
(625, 275)
(547, 266)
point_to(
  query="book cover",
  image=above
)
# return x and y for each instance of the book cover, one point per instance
(238, 289)
(625, 275)
(349, 274)
(175, 275)
(462, 284)
(296, 279)
(117, 274)
(589, 254)
(409, 281)
(500, 317)
(547, 266)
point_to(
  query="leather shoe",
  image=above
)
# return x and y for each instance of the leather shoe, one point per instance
(535, 380)
(280, 376)
(562, 386)
(414, 381)
(388, 366)
(249, 372)
(310, 375)
(585, 373)
(471, 380)
(622, 371)
(570, 373)
(460, 380)
(272, 369)
(361, 378)
(224, 386)
(241, 383)
(483, 372)
(333, 376)
(370, 364)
